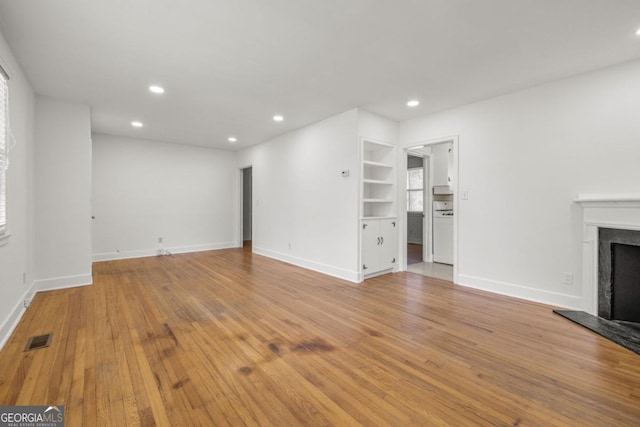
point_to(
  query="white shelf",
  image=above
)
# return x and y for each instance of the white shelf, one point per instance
(377, 181)
(377, 217)
(376, 164)
(378, 201)
(370, 145)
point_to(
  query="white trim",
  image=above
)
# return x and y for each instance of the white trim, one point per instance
(11, 321)
(239, 205)
(612, 224)
(112, 256)
(605, 200)
(329, 270)
(63, 282)
(522, 292)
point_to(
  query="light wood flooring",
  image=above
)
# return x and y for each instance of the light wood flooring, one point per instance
(230, 338)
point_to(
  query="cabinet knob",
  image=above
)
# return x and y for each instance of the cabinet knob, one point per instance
(394, 223)
(364, 226)
(364, 267)
(382, 240)
(378, 240)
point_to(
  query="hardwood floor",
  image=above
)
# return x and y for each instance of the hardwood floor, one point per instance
(230, 338)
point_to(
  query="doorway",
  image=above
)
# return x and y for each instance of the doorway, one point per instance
(430, 186)
(247, 214)
(417, 181)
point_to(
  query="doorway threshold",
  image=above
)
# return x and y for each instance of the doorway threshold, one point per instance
(432, 269)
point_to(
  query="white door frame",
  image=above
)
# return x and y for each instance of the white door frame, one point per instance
(402, 207)
(240, 215)
(427, 252)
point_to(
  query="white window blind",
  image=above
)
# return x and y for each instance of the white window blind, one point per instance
(4, 124)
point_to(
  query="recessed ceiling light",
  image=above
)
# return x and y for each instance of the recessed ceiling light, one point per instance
(136, 124)
(413, 103)
(638, 32)
(232, 139)
(156, 89)
(278, 118)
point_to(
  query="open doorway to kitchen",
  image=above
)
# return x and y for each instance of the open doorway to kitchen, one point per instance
(431, 230)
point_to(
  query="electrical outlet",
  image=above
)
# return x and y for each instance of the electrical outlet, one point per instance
(568, 279)
(159, 239)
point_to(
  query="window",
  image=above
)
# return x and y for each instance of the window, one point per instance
(415, 187)
(4, 124)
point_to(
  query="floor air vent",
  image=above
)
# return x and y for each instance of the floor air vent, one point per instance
(40, 341)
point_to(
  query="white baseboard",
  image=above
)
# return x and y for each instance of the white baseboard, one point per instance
(63, 282)
(329, 270)
(112, 256)
(10, 323)
(522, 292)
(202, 248)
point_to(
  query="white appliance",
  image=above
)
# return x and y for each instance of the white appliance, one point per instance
(443, 232)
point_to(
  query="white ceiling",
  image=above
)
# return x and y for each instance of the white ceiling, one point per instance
(229, 65)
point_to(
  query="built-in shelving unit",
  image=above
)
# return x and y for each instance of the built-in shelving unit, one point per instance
(378, 179)
(378, 225)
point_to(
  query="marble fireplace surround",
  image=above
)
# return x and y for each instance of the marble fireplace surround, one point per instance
(615, 211)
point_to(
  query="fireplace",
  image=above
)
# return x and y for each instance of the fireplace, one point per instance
(610, 268)
(619, 274)
(607, 219)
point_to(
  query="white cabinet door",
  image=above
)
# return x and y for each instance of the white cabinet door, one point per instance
(388, 233)
(370, 246)
(379, 241)
(443, 240)
(450, 165)
(440, 164)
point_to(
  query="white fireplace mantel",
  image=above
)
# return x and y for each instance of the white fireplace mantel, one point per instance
(620, 211)
(609, 200)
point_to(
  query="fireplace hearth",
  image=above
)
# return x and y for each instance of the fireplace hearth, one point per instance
(626, 334)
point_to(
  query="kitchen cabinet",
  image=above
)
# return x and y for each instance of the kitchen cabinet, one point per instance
(442, 164)
(379, 245)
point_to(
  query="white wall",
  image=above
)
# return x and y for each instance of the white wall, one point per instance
(63, 194)
(16, 252)
(143, 190)
(304, 211)
(523, 158)
(377, 127)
